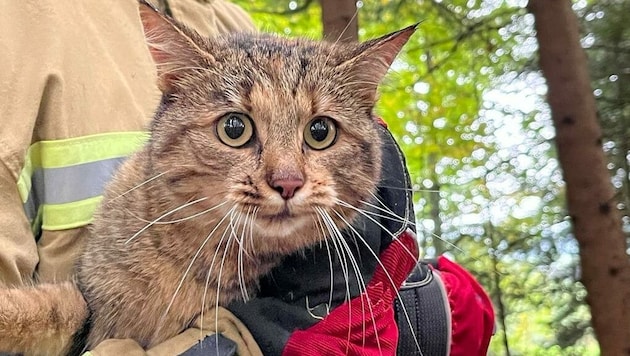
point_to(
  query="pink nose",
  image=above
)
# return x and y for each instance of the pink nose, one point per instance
(287, 187)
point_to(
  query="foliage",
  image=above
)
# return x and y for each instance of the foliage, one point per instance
(607, 40)
(466, 103)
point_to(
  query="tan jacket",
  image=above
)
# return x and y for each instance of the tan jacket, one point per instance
(70, 70)
(75, 76)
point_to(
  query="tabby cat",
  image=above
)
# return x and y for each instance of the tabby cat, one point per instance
(259, 142)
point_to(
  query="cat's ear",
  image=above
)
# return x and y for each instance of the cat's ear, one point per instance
(172, 46)
(374, 57)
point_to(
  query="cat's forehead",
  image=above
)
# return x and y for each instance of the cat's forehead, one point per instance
(267, 47)
(271, 72)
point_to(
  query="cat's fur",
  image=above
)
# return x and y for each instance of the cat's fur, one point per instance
(155, 261)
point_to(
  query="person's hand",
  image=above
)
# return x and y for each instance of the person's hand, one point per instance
(200, 339)
(365, 325)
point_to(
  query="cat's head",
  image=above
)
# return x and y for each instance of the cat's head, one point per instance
(278, 130)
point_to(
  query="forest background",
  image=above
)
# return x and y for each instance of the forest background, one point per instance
(466, 101)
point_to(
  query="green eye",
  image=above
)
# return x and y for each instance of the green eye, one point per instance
(235, 129)
(320, 133)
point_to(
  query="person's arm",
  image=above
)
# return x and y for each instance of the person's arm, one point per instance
(67, 80)
(20, 98)
(18, 251)
(209, 18)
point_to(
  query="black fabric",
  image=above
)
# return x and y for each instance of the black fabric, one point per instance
(297, 293)
(212, 345)
(395, 188)
(424, 321)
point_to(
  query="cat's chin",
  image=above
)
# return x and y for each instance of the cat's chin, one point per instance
(281, 225)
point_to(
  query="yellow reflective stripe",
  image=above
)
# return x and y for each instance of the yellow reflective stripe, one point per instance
(24, 182)
(50, 200)
(36, 224)
(72, 151)
(69, 215)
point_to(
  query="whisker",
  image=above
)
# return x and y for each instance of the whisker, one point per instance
(337, 236)
(251, 230)
(448, 243)
(403, 221)
(241, 250)
(360, 211)
(356, 12)
(375, 255)
(163, 216)
(340, 252)
(203, 244)
(138, 186)
(384, 206)
(168, 222)
(342, 260)
(345, 245)
(409, 189)
(214, 256)
(196, 255)
(232, 237)
(362, 286)
(392, 216)
(330, 261)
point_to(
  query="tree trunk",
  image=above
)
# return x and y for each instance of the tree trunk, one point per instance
(590, 195)
(340, 20)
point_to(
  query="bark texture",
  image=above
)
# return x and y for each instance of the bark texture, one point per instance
(340, 22)
(590, 195)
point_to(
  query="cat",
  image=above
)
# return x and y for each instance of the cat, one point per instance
(258, 141)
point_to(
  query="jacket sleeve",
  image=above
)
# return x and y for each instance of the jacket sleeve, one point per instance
(211, 17)
(66, 74)
(18, 251)
(20, 95)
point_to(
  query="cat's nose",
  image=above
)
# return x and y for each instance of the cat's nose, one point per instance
(287, 187)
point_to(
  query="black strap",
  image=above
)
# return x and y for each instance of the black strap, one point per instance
(425, 316)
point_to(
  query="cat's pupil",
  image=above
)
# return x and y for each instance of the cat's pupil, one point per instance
(319, 130)
(234, 127)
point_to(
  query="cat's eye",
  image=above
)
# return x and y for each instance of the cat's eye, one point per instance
(320, 133)
(235, 129)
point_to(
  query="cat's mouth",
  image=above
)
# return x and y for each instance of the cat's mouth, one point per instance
(281, 222)
(283, 215)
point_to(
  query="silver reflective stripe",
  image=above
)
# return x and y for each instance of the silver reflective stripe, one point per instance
(69, 184)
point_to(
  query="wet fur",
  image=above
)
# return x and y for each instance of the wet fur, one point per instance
(146, 279)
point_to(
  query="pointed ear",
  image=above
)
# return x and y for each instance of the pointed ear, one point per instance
(374, 57)
(172, 46)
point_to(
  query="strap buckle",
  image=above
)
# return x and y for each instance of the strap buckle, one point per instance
(419, 277)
